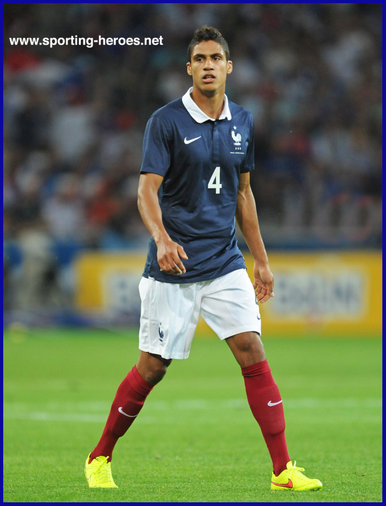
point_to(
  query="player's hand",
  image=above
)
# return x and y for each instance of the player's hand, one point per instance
(169, 255)
(263, 284)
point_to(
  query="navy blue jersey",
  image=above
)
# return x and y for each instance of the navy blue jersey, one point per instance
(200, 160)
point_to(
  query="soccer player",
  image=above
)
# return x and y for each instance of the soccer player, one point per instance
(198, 152)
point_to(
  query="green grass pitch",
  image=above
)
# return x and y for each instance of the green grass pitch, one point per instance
(195, 439)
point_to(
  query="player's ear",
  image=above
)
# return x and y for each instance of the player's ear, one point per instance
(188, 68)
(229, 66)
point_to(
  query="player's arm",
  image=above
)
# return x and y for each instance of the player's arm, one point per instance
(169, 253)
(246, 216)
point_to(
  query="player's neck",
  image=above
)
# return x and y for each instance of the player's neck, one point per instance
(211, 104)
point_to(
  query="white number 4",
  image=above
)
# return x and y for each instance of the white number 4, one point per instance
(214, 181)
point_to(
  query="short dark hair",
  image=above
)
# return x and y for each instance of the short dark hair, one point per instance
(208, 33)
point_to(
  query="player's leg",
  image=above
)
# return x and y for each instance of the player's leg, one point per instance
(229, 307)
(168, 319)
(263, 394)
(247, 348)
(129, 399)
(127, 403)
(152, 367)
(267, 408)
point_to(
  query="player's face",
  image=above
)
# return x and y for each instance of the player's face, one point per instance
(209, 67)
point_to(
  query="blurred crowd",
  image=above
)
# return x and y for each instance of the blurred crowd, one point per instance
(74, 119)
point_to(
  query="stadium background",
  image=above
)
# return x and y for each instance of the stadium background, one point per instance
(74, 250)
(74, 119)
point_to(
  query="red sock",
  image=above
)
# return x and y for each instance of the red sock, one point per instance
(265, 403)
(128, 401)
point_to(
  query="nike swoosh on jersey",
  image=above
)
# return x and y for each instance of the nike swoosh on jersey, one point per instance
(270, 403)
(123, 413)
(188, 141)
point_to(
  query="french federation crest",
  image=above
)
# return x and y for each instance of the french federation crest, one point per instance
(236, 137)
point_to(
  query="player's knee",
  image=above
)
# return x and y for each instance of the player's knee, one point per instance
(160, 371)
(154, 368)
(247, 348)
(249, 342)
(156, 374)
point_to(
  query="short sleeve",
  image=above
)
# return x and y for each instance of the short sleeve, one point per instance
(155, 151)
(249, 161)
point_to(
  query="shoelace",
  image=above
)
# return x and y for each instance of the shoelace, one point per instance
(103, 471)
(295, 469)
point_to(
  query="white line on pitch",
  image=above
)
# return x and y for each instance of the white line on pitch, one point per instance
(97, 411)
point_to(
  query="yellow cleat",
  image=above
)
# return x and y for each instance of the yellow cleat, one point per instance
(98, 473)
(293, 479)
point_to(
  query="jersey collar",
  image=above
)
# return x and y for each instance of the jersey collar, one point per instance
(199, 115)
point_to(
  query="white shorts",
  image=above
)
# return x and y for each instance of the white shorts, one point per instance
(170, 311)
